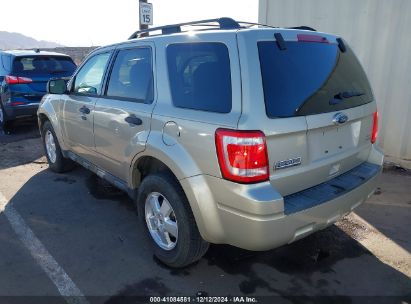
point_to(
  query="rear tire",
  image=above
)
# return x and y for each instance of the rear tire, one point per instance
(57, 162)
(4, 123)
(175, 251)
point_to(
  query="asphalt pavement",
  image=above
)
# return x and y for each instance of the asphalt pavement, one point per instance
(91, 231)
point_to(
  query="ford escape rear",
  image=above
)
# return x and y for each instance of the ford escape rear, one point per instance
(235, 134)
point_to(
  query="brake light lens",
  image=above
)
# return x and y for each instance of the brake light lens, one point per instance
(311, 38)
(17, 80)
(374, 133)
(242, 155)
(16, 103)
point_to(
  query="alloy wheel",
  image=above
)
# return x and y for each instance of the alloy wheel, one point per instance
(1, 116)
(161, 221)
(50, 146)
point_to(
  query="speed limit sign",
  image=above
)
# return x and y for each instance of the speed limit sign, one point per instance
(146, 13)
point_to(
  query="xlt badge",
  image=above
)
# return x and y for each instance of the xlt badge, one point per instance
(281, 164)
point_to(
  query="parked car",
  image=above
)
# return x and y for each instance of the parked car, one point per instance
(254, 137)
(23, 79)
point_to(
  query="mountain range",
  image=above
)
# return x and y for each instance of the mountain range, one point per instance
(10, 41)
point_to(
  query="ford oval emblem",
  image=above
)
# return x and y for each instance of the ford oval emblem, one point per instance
(340, 118)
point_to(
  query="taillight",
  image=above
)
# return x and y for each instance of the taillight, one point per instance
(242, 155)
(17, 80)
(16, 103)
(374, 133)
(311, 38)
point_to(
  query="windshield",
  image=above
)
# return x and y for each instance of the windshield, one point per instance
(310, 78)
(43, 65)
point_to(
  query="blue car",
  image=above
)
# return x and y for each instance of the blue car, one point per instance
(23, 80)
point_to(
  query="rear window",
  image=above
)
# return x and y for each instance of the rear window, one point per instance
(310, 78)
(41, 65)
(200, 76)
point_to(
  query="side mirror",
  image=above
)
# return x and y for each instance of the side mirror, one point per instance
(56, 86)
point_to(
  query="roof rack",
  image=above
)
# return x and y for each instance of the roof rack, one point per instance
(250, 24)
(223, 23)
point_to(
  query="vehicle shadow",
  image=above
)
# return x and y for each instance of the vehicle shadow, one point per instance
(94, 234)
(20, 129)
(21, 144)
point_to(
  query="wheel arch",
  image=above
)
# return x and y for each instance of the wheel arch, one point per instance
(42, 118)
(175, 159)
(157, 160)
(47, 112)
(146, 165)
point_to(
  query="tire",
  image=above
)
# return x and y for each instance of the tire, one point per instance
(188, 246)
(57, 162)
(4, 122)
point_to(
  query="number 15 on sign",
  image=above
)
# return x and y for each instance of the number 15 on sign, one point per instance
(146, 13)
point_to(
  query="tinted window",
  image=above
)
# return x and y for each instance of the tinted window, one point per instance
(89, 79)
(42, 65)
(200, 76)
(310, 78)
(132, 75)
(6, 62)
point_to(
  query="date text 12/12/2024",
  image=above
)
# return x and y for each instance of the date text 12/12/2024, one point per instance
(203, 299)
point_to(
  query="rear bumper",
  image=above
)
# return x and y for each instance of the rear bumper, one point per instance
(29, 109)
(256, 217)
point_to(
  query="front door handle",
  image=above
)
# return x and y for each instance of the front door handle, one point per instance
(84, 110)
(134, 120)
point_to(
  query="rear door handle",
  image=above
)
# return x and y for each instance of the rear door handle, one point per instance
(84, 110)
(134, 120)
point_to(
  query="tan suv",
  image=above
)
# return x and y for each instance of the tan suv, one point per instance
(233, 134)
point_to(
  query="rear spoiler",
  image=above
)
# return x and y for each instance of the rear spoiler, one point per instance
(302, 27)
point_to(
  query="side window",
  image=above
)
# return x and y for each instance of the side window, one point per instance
(6, 62)
(200, 76)
(132, 76)
(89, 79)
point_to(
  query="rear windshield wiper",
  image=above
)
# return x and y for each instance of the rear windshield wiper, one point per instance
(344, 95)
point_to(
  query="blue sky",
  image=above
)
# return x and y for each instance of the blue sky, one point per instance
(93, 22)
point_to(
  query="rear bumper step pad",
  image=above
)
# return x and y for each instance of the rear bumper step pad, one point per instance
(331, 189)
